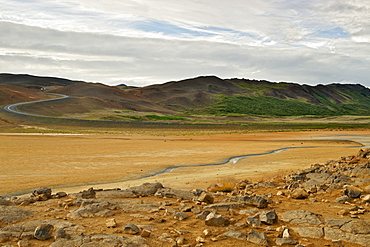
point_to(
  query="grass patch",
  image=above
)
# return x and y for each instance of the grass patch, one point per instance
(264, 106)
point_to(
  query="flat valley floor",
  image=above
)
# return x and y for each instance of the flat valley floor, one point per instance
(72, 163)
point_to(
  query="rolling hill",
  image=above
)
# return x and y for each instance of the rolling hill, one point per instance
(205, 95)
(212, 95)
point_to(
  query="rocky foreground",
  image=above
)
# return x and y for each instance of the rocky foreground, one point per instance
(326, 205)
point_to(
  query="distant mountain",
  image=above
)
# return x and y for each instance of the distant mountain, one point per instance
(206, 95)
(212, 95)
(40, 81)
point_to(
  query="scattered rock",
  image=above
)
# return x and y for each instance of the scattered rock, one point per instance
(10, 214)
(206, 198)
(131, 229)
(111, 223)
(257, 238)
(215, 219)
(87, 194)
(268, 217)
(236, 234)
(42, 193)
(299, 194)
(352, 191)
(285, 241)
(43, 232)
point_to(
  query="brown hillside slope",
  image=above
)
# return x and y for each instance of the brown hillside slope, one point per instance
(189, 93)
(87, 97)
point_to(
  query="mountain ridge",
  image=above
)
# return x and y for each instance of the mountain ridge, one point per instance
(208, 95)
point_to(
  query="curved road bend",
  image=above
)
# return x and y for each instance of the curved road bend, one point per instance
(13, 107)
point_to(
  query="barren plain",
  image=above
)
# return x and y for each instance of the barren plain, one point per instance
(73, 162)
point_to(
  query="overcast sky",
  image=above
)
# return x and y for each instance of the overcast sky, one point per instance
(142, 42)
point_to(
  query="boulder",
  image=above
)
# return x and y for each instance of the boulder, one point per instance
(131, 229)
(309, 232)
(10, 214)
(299, 194)
(236, 234)
(206, 198)
(301, 217)
(257, 238)
(352, 191)
(285, 241)
(215, 219)
(268, 217)
(42, 193)
(146, 189)
(168, 192)
(256, 201)
(43, 232)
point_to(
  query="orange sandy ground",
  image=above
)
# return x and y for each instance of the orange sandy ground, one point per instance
(74, 162)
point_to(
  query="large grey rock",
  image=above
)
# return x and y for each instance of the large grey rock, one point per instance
(335, 222)
(10, 214)
(299, 194)
(357, 227)
(301, 217)
(168, 192)
(337, 234)
(42, 192)
(6, 202)
(268, 217)
(131, 229)
(89, 211)
(236, 234)
(285, 241)
(352, 191)
(206, 198)
(257, 238)
(146, 189)
(224, 206)
(215, 219)
(309, 232)
(256, 201)
(43, 232)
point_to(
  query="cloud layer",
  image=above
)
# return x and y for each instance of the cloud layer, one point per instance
(141, 42)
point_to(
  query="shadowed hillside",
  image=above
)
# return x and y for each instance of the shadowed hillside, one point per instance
(205, 95)
(212, 95)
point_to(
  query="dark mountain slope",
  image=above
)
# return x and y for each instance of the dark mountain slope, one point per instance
(190, 93)
(34, 80)
(212, 95)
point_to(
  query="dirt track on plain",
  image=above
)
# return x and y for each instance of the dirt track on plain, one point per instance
(73, 162)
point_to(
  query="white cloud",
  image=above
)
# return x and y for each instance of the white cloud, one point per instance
(144, 42)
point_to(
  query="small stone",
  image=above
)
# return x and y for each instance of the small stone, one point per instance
(215, 219)
(23, 243)
(180, 216)
(299, 194)
(61, 233)
(131, 229)
(286, 233)
(236, 234)
(268, 217)
(343, 212)
(200, 239)
(180, 240)
(352, 191)
(285, 241)
(206, 197)
(88, 194)
(207, 232)
(280, 193)
(111, 223)
(254, 222)
(257, 238)
(366, 198)
(43, 232)
(342, 199)
(186, 208)
(145, 233)
(42, 191)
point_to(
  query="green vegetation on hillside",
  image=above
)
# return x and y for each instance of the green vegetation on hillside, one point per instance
(270, 106)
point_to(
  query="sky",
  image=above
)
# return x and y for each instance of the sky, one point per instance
(144, 42)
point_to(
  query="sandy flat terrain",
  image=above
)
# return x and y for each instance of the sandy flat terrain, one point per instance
(108, 161)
